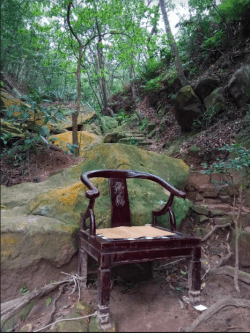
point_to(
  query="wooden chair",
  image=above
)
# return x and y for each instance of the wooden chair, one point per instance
(125, 244)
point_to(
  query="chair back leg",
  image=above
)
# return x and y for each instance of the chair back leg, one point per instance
(194, 277)
(83, 268)
(103, 295)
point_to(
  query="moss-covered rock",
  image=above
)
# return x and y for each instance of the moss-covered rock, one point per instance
(25, 240)
(188, 107)
(66, 203)
(85, 140)
(239, 85)
(108, 124)
(215, 102)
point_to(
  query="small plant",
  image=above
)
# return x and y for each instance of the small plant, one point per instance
(143, 125)
(153, 84)
(48, 301)
(24, 290)
(240, 161)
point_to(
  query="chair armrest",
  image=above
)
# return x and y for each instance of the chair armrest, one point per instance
(92, 193)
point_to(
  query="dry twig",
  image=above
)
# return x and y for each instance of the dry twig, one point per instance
(27, 299)
(230, 271)
(227, 301)
(214, 229)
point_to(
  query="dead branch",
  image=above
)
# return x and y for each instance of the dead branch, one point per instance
(224, 302)
(237, 232)
(214, 229)
(230, 271)
(224, 259)
(54, 305)
(27, 299)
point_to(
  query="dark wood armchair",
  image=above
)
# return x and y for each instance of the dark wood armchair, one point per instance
(125, 244)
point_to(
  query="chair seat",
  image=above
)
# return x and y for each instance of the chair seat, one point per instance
(145, 231)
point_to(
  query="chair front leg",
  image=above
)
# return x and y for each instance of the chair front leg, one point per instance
(103, 295)
(83, 267)
(194, 277)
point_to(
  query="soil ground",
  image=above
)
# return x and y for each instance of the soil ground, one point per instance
(145, 304)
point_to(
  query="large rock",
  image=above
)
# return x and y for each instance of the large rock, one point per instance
(85, 140)
(108, 124)
(205, 86)
(34, 251)
(239, 86)
(188, 107)
(243, 137)
(41, 220)
(215, 101)
(66, 203)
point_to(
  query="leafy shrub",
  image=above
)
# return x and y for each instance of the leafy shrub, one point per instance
(20, 148)
(150, 69)
(215, 40)
(240, 161)
(153, 84)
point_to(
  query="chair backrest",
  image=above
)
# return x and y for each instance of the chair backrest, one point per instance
(120, 210)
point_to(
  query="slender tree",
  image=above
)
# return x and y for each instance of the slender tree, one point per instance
(173, 45)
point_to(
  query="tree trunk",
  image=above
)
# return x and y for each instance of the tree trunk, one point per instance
(132, 82)
(78, 104)
(101, 69)
(173, 45)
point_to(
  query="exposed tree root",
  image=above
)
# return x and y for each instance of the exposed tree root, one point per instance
(54, 305)
(230, 271)
(27, 299)
(214, 229)
(227, 301)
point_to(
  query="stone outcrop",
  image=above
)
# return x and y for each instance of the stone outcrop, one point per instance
(205, 87)
(108, 124)
(215, 101)
(188, 107)
(66, 203)
(86, 140)
(239, 86)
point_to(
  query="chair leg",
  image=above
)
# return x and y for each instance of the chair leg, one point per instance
(103, 295)
(83, 268)
(194, 277)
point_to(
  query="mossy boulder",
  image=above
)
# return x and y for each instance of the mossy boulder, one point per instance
(215, 101)
(205, 87)
(85, 140)
(239, 86)
(108, 124)
(66, 203)
(188, 107)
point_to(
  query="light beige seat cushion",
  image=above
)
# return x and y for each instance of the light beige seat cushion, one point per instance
(133, 232)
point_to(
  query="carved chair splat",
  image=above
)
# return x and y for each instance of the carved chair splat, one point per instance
(125, 244)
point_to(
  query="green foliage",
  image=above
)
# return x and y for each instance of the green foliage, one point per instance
(144, 124)
(24, 290)
(153, 84)
(150, 69)
(48, 301)
(240, 162)
(215, 40)
(19, 148)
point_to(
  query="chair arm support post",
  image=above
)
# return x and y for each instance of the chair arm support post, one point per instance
(92, 193)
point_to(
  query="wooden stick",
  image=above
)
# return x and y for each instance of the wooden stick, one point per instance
(26, 299)
(230, 271)
(215, 228)
(224, 302)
